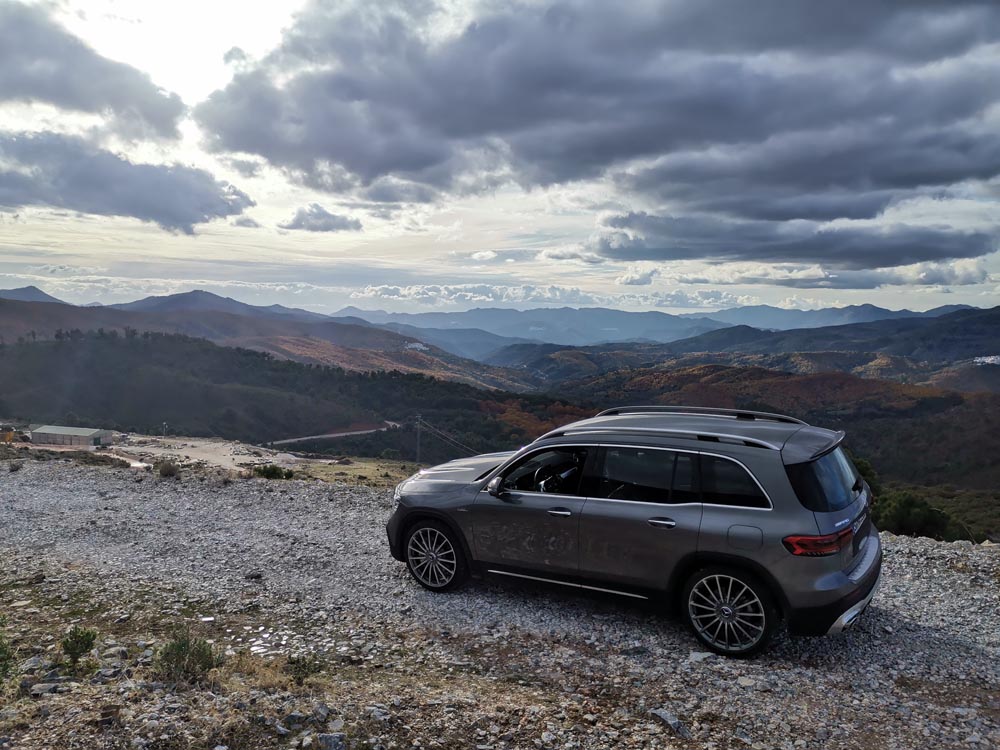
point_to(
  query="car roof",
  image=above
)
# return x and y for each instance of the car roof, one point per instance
(797, 441)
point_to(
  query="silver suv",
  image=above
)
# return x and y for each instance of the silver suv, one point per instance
(742, 518)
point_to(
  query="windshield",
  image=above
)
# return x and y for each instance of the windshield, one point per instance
(827, 484)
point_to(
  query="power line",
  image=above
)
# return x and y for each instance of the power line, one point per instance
(455, 442)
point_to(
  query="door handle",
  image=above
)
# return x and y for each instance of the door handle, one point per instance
(559, 512)
(663, 523)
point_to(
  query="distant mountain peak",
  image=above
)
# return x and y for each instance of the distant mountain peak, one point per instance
(29, 294)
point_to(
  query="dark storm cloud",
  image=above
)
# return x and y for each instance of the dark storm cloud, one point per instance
(315, 218)
(640, 236)
(67, 172)
(716, 111)
(42, 62)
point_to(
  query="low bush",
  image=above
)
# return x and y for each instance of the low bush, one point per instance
(6, 652)
(272, 471)
(77, 642)
(185, 658)
(905, 512)
(168, 469)
(302, 667)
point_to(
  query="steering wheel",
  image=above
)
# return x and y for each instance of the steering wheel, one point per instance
(543, 478)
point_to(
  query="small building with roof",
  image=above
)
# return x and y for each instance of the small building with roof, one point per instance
(76, 436)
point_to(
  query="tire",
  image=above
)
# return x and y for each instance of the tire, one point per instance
(730, 611)
(434, 556)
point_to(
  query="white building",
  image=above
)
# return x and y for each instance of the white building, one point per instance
(81, 436)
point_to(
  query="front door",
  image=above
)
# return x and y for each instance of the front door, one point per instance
(643, 515)
(533, 526)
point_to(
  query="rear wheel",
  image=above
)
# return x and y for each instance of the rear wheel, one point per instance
(731, 612)
(434, 556)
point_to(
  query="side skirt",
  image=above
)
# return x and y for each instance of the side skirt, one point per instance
(571, 584)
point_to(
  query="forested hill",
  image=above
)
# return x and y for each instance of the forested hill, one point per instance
(137, 382)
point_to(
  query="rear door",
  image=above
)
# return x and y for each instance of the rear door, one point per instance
(534, 525)
(642, 516)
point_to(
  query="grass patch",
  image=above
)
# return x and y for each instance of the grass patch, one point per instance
(373, 472)
(186, 658)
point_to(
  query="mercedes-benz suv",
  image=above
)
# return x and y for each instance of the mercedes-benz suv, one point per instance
(742, 518)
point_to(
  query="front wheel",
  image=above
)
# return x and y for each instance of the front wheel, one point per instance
(730, 611)
(435, 557)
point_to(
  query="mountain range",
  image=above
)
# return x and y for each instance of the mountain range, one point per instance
(501, 348)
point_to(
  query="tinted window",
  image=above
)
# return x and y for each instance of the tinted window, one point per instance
(647, 475)
(827, 484)
(555, 471)
(725, 482)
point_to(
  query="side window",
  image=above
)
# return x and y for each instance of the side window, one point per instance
(725, 482)
(635, 474)
(558, 470)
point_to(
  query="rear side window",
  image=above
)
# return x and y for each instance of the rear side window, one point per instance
(829, 483)
(647, 475)
(725, 482)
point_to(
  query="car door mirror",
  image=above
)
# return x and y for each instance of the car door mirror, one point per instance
(495, 487)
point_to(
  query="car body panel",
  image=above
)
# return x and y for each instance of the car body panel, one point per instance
(528, 530)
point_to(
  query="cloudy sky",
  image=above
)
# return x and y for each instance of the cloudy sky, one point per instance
(441, 155)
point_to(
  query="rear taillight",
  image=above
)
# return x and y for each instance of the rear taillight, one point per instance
(818, 546)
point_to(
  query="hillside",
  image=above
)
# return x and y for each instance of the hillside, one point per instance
(202, 301)
(326, 342)
(767, 316)
(954, 336)
(930, 350)
(137, 382)
(563, 325)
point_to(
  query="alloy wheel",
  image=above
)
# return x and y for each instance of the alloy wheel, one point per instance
(727, 613)
(432, 557)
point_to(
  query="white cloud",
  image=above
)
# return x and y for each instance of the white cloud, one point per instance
(571, 254)
(484, 255)
(635, 276)
(440, 295)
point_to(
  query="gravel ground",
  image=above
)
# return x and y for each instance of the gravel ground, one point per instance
(305, 565)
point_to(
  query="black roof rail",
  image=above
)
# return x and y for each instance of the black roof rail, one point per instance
(701, 410)
(716, 437)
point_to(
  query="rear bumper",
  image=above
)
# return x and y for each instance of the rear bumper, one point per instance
(841, 614)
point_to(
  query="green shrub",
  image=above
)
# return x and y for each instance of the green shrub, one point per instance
(185, 658)
(77, 642)
(272, 471)
(301, 667)
(168, 469)
(6, 653)
(906, 513)
(389, 454)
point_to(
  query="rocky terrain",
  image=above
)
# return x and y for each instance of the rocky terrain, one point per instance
(328, 644)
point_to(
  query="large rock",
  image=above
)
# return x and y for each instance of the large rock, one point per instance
(327, 741)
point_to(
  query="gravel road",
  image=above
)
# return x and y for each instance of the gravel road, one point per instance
(921, 670)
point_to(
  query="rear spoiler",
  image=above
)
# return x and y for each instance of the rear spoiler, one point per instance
(810, 443)
(838, 438)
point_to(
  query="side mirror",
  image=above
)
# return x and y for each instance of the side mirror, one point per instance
(495, 487)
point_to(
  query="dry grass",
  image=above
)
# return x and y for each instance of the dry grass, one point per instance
(374, 472)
